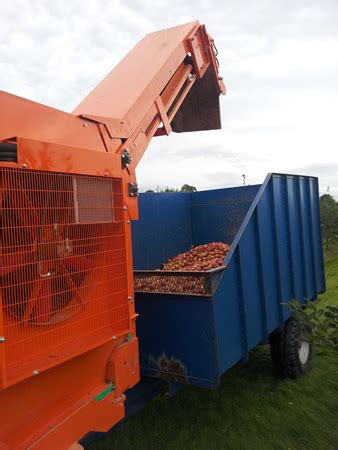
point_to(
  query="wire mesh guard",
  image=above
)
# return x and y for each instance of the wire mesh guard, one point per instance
(182, 283)
(63, 267)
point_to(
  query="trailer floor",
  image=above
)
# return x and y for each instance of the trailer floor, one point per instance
(252, 410)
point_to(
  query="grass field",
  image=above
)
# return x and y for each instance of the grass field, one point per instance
(252, 410)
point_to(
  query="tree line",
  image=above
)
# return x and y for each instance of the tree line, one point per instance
(329, 220)
(184, 188)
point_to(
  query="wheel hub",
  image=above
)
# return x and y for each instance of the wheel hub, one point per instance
(303, 351)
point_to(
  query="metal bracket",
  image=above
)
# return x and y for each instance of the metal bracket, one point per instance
(197, 45)
(163, 115)
(133, 189)
(126, 158)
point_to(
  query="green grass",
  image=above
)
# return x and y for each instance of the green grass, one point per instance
(252, 410)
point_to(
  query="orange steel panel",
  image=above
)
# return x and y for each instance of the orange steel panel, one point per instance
(63, 267)
(31, 120)
(91, 415)
(40, 155)
(129, 89)
(32, 408)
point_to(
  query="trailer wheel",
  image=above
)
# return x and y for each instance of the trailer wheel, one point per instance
(291, 348)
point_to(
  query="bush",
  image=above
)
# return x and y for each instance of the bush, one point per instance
(323, 321)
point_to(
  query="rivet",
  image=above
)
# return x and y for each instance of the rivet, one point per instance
(24, 166)
(35, 373)
(2, 339)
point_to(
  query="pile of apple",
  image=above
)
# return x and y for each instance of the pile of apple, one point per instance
(198, 259)
(170, 284)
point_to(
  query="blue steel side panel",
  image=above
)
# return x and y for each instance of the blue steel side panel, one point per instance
(269, 268)
(297, 253)
(276, 255)
(304, 203)
(163, 231)
(178, 332)
(232, 342)
(282, 238)
(317, 235)
(287, 235)
(225, 207)
(247, 253)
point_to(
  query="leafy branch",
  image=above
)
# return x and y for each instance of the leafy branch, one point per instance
(323, 320)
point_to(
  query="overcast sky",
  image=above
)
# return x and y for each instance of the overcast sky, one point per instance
(279, 60)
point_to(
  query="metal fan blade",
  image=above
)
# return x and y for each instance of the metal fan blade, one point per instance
(32, 300)
(43, 305)
(70, 283)
(77, 263)
(13, 261)
(28, 215)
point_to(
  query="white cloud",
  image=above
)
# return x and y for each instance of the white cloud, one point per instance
(279, 60)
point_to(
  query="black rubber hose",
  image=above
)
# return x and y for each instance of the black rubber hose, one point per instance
(8, 152)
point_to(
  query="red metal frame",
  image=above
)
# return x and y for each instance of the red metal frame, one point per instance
(80, 388)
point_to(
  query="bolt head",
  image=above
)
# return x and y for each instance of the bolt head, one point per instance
(35, 372)
(24, 166)
(2, 339)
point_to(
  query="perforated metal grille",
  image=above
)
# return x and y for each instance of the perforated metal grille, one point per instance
(63, 267)
(183, 283)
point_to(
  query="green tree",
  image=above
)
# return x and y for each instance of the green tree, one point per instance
(329, 219)
(188, 188)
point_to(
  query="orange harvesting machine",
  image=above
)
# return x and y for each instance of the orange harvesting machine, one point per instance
(68, 346)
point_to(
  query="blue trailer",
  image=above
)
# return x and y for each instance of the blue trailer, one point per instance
(275, 256)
